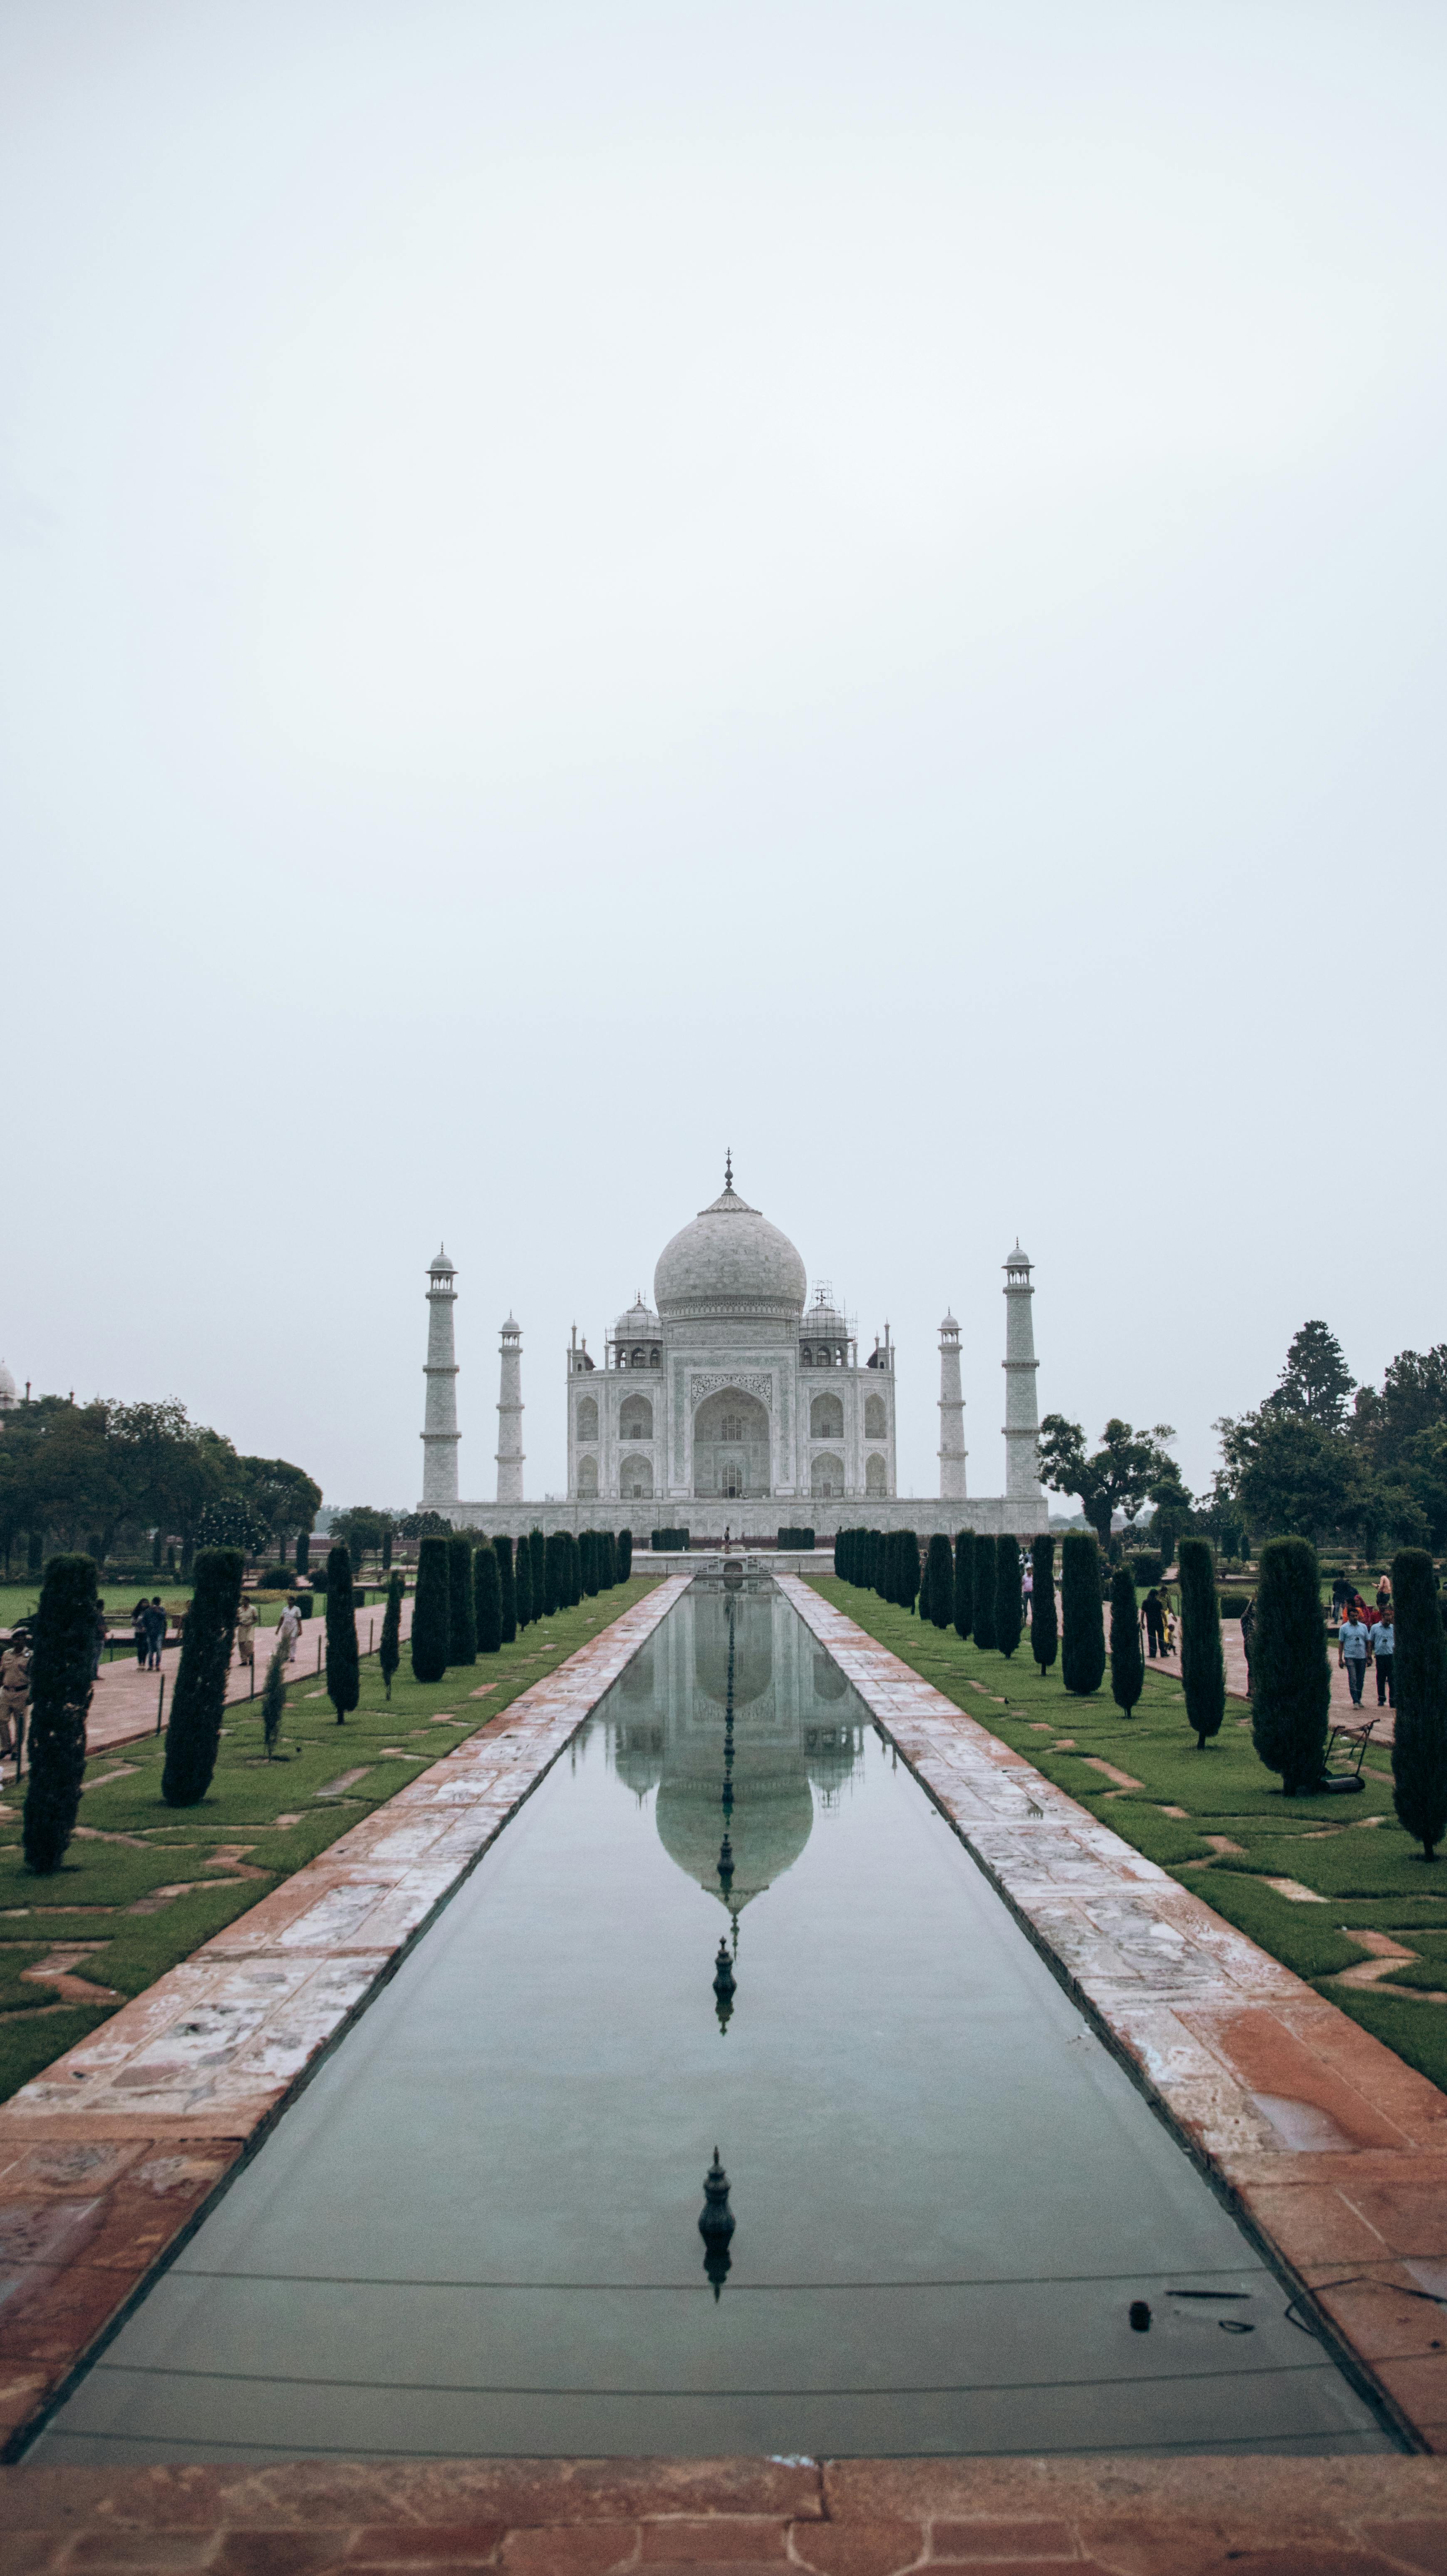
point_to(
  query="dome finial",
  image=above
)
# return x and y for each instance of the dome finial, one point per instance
(729, 1168)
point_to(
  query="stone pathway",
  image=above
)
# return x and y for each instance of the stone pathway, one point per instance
(1332, 2148)
(1116, 2517)
(112, 2153)
(1234, 1653)
(123, 1705)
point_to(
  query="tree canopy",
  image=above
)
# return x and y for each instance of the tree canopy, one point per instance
(1116, 1477)
(104, 1471)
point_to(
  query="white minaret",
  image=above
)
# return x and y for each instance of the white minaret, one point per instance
(440, 1433)
(952, 1415)
(510, 1416)
(1022, 1418)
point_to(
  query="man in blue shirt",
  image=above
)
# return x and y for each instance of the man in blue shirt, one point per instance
(1383, 1644)
(1352, 1642)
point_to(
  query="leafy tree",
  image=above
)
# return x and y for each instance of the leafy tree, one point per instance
(462, 1633)
(1127, 1663)
(1419, 1751)
(231, 1522)
(284, 1498)
(273, 1703)
(424, 1525)
(964, 1601)
(507, 1586)
(985, 1565)
(939, 1572)
(489, 1601)
(363, 1530)
(1044, 1626)
(389, 1652)
(625, 1554)
(1171, 1513)
(1290, 1676)
(344, 1677)
(61, 1681)
(1009, 1602)
(1315, 1382)
(1117, 1477)
(555, 1573)
(1290, 1475)
(1203, 1670)
(199, 1697)
(1082, 1652)
(432, 1610)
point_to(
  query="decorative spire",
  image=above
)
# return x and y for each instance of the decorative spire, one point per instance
(729, 1168)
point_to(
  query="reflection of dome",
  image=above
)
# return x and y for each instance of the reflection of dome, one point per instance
(730, 1261)
(753, 1653)
(772, 1815)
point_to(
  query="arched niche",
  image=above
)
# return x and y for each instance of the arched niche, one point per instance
(731, 1445)
(826, 1418)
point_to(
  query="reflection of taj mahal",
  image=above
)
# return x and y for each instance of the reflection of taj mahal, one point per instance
(731, 1399)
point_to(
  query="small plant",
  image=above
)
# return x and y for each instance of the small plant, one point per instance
(60, 1692)
(1290, 1675)
(199, 1696)
(389, 1652)
(1044, 1624)
(431, 1610)
(462, 1615)
(488, 1587)
(964, 1601)
(1009, 1599)
(273, 1702)
(344, 1676)
(985, 1564)
(1203, 1670)
(1082, 1654)
(1127, 1663)
(1419, 1752)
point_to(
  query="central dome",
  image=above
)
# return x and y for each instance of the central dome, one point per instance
(730, 1261)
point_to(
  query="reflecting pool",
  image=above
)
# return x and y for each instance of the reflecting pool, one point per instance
(729, 1917)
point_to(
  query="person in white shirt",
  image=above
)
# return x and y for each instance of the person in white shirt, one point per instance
(1384, 1646)
(1353, 1639)
(288, 1631)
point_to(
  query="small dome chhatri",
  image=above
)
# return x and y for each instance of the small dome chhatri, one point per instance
(730, 1261)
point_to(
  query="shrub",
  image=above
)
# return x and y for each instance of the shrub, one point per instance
(1127, 1663)
(1146, 1566)
(507, 1586)
(607, 1560)
(937, 1589)
(908, 1569)
(964, 1603)
(1290, 1676)
(462, 1612)
(574, 1563)
(487, 1625)
(199, 1695)
(1419, 1753)
(555, 1573)
(522, 1583)
(1044, 1625)
(344, 1678)
(1082, 1653)
(1009, 1600)
(432, 1610)
(273, 1703)
(305, 1602)
(588, 1565)
(276, 1578)
(62, 1656)
(625, 1554)
(1234, 1605)
(985, 1562)
(670, 1542)
(303, 1552)
(538, 1549)
(1203, 1671)
(389, 1652)
(794, 1538)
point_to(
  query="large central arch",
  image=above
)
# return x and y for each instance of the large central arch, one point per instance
(731, 1445)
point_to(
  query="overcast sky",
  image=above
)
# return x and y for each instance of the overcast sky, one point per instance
(587, 584)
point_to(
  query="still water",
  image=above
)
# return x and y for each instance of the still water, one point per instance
(477, 2230)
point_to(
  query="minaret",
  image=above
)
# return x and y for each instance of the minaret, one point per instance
(510, 1416)
(1022, 1417)
(952, 1415)
(440, 1434)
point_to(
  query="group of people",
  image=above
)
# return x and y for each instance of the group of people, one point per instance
(1364, 1638)
(148, 1623)
(1158, 1622)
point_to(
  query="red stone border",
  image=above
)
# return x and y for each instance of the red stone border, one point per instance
(109, 2158)
(1331, 2148)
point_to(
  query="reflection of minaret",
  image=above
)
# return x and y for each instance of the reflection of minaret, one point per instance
(510, 1416)
(440, 1434)
(1022, 1418)
(952, 1414)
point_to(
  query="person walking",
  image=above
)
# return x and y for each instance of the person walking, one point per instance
(155, 1633)
(1383, 1636)
(138, 1630)
(246, 1635)
(1248, 1631)
(14, 1701)
(98, 1640)
(1384, 1597)
(1155, 1619)
(288, 1632)
(1353, 1646)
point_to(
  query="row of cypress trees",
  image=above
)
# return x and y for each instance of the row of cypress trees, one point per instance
(473, 1600)
(973, 1587)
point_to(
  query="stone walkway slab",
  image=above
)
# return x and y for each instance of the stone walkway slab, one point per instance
(1333, 2150)
(108, 2158)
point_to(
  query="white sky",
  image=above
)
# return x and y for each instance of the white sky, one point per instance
(585, 584)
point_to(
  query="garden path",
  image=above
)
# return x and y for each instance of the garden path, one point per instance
(124, 1702)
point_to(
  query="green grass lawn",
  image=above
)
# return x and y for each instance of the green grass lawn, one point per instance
(1350, 1851)
(146, 1884)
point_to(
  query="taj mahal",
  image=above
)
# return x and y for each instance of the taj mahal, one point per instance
(734, 1403)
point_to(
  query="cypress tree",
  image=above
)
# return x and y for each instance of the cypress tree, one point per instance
(625, 1554)
(522, 1578)
(1009, 1600)
(608, 1547)
(507, 1585)
(538, 1549)
(908, 1569)
(273, 1703)
(1290, 1675)
(923, 1604)
(554, 1573)
(1203, 1668)
(389, 1652)
(1419, 1753)
(588, 1565)
(1082, 1657)
(985, 1564)
(432, 1610)
(61, 1683)
(940, 1580)
(964, 1602)
(488, 1601)
(462, 1611)
(344, 1677)
(1044, 1625)
(199, 1695)
(1127, 1663)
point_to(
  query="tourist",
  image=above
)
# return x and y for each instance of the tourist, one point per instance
(1384, 1597)
(138, 1630)
(1383, 1645)
(1341, 1593)
(98, 1640)
(1353, 1646)
(288, 1632)
(1248, 1631)
(246, 1634)
(14, 1700)
(155, 1633)
(1155, 1619)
